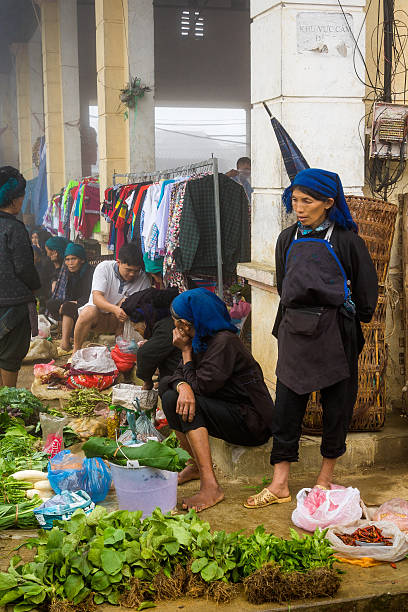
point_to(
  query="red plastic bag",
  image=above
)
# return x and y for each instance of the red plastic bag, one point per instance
(91, 381)
(123, 361)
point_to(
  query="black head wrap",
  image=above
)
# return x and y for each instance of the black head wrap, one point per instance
(12, 185)
(149, 305)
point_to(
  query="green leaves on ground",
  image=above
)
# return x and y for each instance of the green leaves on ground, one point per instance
(152, 454)
(102, 552)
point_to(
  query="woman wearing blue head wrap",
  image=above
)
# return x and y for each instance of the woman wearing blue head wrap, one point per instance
(218, 390)
(327, 284)
(71, 291)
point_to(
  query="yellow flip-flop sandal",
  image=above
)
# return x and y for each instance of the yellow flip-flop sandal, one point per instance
(266, 498)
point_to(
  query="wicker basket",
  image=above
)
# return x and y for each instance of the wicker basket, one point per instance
(376, 222)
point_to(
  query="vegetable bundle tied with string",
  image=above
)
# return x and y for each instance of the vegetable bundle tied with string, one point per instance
(152, 454)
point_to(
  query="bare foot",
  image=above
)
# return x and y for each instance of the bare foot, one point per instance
(323, 485)
(205, 498)
(279, 492)
(190, 472)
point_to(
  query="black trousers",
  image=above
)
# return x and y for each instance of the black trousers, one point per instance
(337, 401)
(222, 420)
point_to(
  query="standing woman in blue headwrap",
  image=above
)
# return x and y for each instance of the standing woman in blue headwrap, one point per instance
(327, 284)
(18, 278)
(218, 390)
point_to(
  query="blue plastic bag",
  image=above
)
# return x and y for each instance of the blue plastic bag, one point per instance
(61, 507)
(68, 472)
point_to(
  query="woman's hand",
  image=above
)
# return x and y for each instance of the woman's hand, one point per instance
(181, 340)
(186, 403)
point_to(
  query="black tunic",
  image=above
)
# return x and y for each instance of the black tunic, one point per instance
(355, 258)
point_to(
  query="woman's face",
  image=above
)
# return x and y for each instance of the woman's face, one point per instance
(53, 255)
(74, 264)
(309, 211)
(184, 327)
(34, 239)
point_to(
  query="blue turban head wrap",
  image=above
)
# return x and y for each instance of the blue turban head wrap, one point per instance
(57, 243)
(76, 250)
(12, 185)
(328, 185)
(206, 312)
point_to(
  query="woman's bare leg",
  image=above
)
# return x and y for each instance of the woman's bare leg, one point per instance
(190, 472)
(9, 379)
(210, 491)
(67, 327)
(280, 482)
(325, 477)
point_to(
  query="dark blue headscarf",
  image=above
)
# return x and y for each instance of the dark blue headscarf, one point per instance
(206, 312)
(328, 185)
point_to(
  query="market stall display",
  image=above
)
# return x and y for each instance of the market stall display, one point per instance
(118, 558)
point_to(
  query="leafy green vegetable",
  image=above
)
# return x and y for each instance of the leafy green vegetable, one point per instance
(19, 403)
(83, 402)
(98, 553)
(19, 516)
(19, 450)
(152, 454)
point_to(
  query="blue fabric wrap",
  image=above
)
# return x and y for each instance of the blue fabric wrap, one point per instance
(206, 312)
(328, 185)
(6, 189)
(76, 250)
(57, 243)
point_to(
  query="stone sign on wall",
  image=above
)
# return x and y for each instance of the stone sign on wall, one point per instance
(324, 33)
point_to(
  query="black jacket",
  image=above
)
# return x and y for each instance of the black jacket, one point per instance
(18, 275)
(158, 352)
(79, 286)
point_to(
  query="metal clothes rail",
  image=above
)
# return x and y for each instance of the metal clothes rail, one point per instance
(210, 165)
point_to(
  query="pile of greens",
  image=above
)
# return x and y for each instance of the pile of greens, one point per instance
(100, 555)
(19, 450)
(18, 403)
(82, 402)
(19, 516)
(152, 454)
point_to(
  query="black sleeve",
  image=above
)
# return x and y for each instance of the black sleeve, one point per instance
(215, 368)
(279, 264)
(155, 350)
(23, 259)
(364, 280)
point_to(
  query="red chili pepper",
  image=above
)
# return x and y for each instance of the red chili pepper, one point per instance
(393, 565)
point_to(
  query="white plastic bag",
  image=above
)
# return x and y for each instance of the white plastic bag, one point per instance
(44, 326)
(96, 359)
(396, 552)
(124, 394)
(340, 507)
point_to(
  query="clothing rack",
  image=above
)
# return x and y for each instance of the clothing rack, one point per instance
(211, 165)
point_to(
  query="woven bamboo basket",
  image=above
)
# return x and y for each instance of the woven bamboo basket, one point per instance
(376, 222)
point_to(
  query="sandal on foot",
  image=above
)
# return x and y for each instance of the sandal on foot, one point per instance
(62, 352)
(266, 498)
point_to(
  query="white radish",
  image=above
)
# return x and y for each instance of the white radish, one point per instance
(31, 492)
(43, 485)
(30, 475)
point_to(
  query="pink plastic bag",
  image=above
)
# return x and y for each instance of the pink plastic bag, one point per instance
(42, 369)
(339, 506)
(240, 310)
(395, 511)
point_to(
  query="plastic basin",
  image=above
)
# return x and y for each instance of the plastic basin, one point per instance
(144, 488)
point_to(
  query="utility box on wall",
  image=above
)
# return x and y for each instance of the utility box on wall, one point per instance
(389, 131)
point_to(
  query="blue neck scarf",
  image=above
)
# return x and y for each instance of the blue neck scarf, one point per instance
(305, 229)
(328, 185)
(206, 312)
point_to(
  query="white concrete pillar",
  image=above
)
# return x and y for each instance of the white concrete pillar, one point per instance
(70, 88)
(8, 120)
(302, 66)
(36, 87)
(141, 64)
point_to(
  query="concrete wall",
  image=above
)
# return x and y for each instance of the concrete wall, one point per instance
(214, 71)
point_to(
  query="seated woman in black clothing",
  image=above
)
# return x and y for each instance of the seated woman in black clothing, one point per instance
(152, 308)
(55, 249)
(71, 292)
(217, 390)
